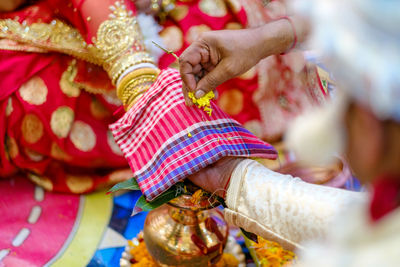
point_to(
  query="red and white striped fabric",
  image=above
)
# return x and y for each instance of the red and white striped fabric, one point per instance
(165, 141)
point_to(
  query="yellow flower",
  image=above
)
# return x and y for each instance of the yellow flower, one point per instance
(203, 102)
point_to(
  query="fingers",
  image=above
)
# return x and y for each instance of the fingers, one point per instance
(218, 75)
(190, 65)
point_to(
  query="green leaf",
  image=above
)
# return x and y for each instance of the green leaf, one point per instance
(130, 184)
(143, 205)
(250, 236)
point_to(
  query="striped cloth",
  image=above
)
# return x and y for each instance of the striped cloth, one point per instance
(164, 141)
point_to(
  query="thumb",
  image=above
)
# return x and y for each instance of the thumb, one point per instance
(221, 73)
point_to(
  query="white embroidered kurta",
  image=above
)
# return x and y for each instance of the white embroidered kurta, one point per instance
(328, 226)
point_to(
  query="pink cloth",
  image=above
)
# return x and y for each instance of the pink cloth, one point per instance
(165, 141)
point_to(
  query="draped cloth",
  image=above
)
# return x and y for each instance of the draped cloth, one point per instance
(165, 141)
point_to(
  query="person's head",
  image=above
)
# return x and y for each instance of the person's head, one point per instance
(361, 42)
(10, 5)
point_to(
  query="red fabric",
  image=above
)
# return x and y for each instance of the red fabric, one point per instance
(33, 87)
(165, 141)
(385, 197)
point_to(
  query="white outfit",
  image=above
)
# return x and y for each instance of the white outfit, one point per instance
(294, 213)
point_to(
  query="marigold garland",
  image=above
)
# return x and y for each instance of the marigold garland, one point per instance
(142, 258)
(271, 254)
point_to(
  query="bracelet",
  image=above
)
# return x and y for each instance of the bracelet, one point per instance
(293, 30)
(135, 84)
(132, 76)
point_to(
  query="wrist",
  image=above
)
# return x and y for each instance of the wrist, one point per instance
(277, 37)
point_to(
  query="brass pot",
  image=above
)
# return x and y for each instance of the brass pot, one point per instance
(183, 233)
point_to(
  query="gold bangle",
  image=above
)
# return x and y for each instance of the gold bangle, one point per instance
(134, 86)
(127, 61)
(133, 75)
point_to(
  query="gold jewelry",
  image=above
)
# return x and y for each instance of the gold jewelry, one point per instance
(126, 61)
(118, 40)
(132, 76)
(135, 84)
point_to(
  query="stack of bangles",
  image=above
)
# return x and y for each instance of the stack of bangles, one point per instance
(135, 84)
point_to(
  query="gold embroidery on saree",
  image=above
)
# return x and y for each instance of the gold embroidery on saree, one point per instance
(111, 142)
(9, 108)
(12, 147)
(55, 36)
(61, 121)
(34, 91)
(67, 84)
(57, 153)
(79, 184)
(98, 110)
(32, 128)
(82, 136)
(41, 181)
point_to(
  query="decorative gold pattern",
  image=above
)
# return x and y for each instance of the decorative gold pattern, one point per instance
(98, 110)
(33, 155)
(213, 8)
(54, 36)
(172, 38)
(79, 184)
(112, 98)
(111, 142)
(234, 5)
(67, 85)
(32, 128)
(179, 12)
(6, 44)
(126, 61)
(34, 91)
(231, 101)
(117, 38)
(195, 31)
(120, 175)
(41, 181)
(135, 84)
(57, 153)
(9, 108)
(61, 121)
(82, 136)
(12, 147)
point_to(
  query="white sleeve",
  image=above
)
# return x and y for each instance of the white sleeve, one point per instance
(282, 208)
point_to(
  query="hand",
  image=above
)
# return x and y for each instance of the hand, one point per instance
(216, 57)
(144, 6)
(214, 178)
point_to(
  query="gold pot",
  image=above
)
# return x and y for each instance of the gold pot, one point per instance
(183, 233)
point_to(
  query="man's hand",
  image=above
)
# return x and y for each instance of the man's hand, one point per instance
(214, 178)
(216, 57)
